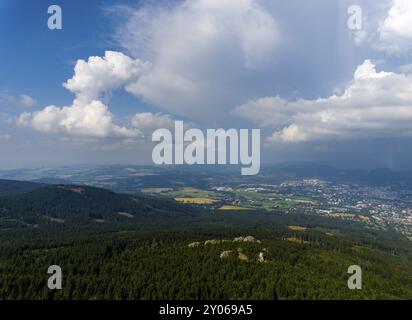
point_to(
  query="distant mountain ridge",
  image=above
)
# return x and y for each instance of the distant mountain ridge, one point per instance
(129, 179)
(373, 177)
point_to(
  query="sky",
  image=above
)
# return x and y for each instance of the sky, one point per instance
(324, 83)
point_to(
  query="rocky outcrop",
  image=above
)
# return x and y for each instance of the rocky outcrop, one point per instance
(241, 255)
(194, 245)
(262, 256)
(246, 239)
(225, 254)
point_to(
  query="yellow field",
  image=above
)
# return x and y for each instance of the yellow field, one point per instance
(196, 200)
(230, 207)
(340, 215)
(192, 190)
(297, 228)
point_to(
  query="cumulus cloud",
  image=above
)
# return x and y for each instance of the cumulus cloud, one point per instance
(387, 26)
(89, 116)
(375, 104)
(396, 30)
(101, 75)
(148, 122)
(82, 120)
(202, 52)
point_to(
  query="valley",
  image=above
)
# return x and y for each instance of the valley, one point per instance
(202, 237)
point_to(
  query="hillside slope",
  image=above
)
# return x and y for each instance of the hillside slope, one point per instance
(79, 204)
(8, 187)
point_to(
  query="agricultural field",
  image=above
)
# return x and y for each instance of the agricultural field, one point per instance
(196, 200)
(297, 228)
(237, 199)
(234, 208)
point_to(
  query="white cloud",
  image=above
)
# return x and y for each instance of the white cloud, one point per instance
(88, 116)
(102, 75)
(396, 30)
(202, 52)
(387, 26)
(82, 120)
(375, 104)
(147, 122)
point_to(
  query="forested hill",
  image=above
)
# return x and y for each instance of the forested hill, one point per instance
(8, 187)
(118, 246)
(77, 204)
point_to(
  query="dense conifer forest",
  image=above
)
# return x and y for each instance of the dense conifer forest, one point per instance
(113, 246)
